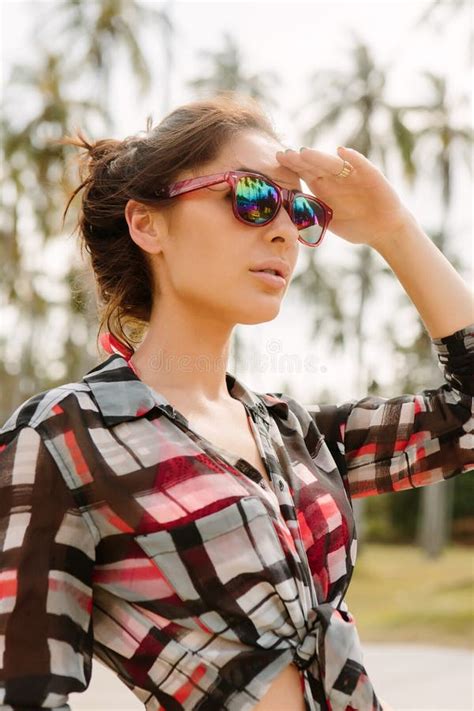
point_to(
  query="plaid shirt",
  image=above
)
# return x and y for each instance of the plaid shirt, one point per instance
(129, 537)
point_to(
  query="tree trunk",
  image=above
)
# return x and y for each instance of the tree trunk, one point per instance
(434, 523)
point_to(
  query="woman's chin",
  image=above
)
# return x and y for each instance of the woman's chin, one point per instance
(260, 313)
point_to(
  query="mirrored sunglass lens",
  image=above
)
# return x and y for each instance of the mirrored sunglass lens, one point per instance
(256, 200)
(309, 217)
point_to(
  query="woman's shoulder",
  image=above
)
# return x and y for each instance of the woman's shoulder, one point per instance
(108, 394)
(50, 403)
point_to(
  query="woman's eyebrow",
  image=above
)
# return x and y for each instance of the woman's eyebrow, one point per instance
(252, 170)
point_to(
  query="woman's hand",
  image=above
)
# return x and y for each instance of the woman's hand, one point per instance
(366, 208)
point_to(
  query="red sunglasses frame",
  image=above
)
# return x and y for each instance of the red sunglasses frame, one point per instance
(285, 197)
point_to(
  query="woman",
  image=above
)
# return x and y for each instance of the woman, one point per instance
(195, 536)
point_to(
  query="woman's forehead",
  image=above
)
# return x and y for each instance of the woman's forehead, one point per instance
(251, 153)
(256, 153)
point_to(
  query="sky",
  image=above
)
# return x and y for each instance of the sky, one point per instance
(296, 39)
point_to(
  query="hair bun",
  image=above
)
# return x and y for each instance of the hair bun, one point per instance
(101, 151)
(105, 149)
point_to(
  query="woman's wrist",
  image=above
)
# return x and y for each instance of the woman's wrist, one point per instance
(398, 230)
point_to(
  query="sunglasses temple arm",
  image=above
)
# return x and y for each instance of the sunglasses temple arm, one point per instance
(187, 186)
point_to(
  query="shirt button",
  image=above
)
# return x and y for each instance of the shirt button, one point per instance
(262, 484)
(281, 485)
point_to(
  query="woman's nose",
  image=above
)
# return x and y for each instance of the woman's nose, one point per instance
(282, 225)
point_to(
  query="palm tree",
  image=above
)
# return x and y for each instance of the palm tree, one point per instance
(108, 28)
(359, 93)
(226, 75)
(36, 185)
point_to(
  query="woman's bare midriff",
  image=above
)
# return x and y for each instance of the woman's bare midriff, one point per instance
(285, 692)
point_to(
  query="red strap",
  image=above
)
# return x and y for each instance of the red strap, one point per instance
(110, 344)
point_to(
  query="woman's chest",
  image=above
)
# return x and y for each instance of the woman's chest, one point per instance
(234, 435)
(159, 480)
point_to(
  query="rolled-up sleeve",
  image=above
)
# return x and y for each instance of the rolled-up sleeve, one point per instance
(47, 556)
(391, 444)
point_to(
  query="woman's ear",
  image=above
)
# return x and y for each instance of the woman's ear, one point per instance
(147, 226)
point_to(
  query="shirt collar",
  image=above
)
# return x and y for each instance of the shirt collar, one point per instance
(121, 395)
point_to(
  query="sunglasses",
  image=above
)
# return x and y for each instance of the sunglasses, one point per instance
(256, 201)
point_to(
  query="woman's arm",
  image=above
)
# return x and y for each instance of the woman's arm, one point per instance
(47, 557)
(390, 444)
(381, 445)
(440, 295)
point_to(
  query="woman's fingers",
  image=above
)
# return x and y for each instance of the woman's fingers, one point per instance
(318, 163)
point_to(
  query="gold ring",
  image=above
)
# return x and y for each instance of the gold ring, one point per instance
(347, 169)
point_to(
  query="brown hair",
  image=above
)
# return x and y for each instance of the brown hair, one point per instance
(113, 172)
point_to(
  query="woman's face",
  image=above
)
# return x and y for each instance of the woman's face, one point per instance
(206, 257)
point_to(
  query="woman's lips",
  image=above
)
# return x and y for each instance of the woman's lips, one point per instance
(272, 279)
